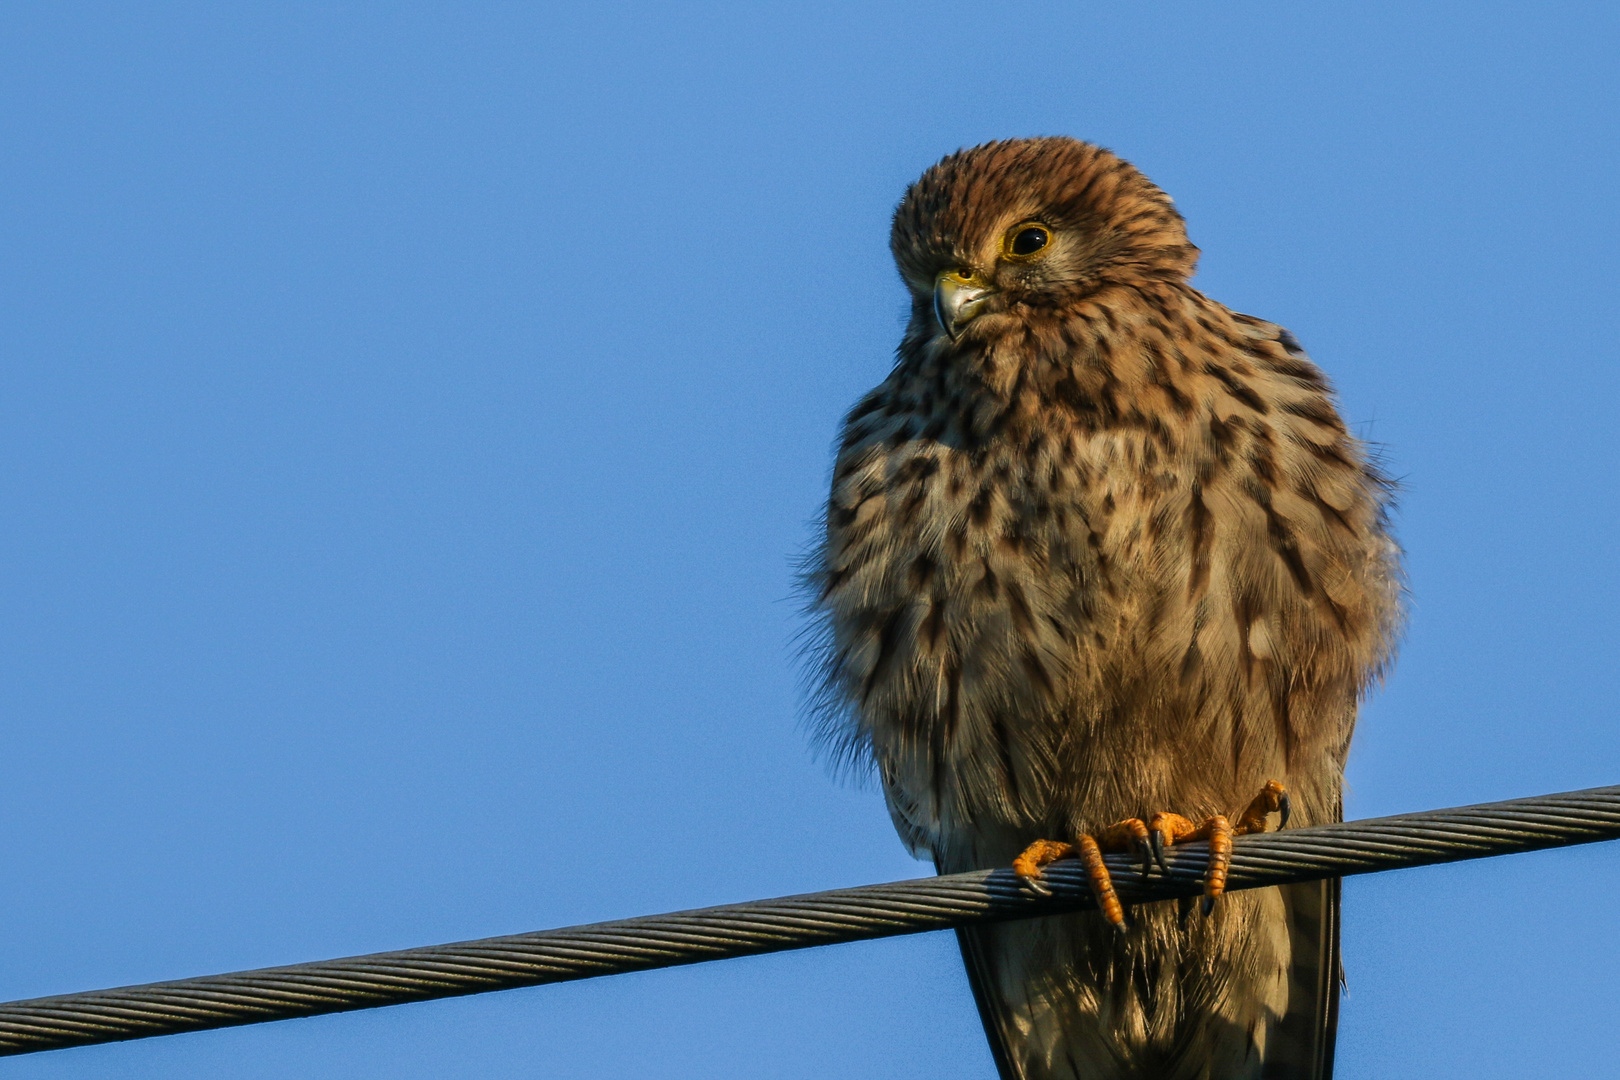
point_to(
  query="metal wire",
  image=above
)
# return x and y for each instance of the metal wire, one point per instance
(791, 922)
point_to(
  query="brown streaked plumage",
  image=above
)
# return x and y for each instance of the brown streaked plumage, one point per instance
(1098, 548)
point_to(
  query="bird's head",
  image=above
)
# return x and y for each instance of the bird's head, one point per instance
(992, 237)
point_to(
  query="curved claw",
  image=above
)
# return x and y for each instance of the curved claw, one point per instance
(1038, 886)
(1148, 852)
(1285, 807)
(1156, 841)
(1039, 854)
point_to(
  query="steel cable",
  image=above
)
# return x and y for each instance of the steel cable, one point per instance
(791, 922)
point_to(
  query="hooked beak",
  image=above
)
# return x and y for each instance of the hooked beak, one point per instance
(958, 297)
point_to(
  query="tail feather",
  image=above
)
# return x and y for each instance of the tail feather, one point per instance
(1298, 1045)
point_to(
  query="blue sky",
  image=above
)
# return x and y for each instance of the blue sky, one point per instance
(409, 416)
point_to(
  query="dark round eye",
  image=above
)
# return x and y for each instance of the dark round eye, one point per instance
(1028, 240)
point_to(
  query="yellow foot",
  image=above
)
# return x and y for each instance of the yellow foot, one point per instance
(1149, 839)
(1043, 853)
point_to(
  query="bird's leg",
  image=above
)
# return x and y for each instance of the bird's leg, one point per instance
(1273, 799)
(1040, 854)
(1102, 884)
(1130, 834)
(1149, 839)
(1166, 829)
(1218, 831)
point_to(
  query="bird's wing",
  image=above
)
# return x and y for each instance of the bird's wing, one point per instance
(991, 1013)
(1300, 1047)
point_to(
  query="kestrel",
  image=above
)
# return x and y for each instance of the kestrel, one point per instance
(1104, 570)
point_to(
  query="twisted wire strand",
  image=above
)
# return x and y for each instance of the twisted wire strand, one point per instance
(790, 922)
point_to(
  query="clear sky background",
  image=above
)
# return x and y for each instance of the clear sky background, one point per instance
(410, 414)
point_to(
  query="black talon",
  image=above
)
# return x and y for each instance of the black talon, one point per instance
(1285, 807)
(1207, 906)
(1156, 839)
(1147, 857)
(1039, 886)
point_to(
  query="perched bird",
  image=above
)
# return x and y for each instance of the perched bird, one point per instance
(1103, 568)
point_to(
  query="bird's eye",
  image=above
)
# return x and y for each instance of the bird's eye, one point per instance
(1026, 240)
